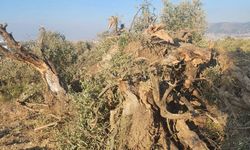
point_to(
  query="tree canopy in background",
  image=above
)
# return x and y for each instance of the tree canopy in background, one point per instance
(144, 17)
(187, 15)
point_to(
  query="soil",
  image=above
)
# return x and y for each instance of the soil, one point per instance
(18, 124)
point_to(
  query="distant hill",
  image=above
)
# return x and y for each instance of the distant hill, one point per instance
(233, 29)
(229, 28)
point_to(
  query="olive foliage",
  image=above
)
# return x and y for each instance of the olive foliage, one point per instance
(187, 15)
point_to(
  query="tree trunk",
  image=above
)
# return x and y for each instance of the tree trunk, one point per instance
(16, 51)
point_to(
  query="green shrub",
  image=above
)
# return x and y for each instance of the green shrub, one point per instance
(18, 79)
(187, 15)
(214, 79)
(145, 17)
(232, 44)
(90, 128)
(61, 53)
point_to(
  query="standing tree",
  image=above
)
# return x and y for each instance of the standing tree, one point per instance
(186, 16)
(144, 17)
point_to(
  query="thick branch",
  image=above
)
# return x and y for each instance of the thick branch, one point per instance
(8, 38)
(168, 91)
(17, 52)
(188, 104)
(162, 106)
(188, 137)
(135, 16)
(5, 51)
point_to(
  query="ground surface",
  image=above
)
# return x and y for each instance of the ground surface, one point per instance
(17, 128)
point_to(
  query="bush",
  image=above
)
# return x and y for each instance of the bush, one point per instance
(18, 81)
(185, 16)
(145, 17)
(61, 53)
(82, 47)
(231, 44)
(90, 127)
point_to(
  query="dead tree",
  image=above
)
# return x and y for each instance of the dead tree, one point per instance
(113, 23)
(20, 53)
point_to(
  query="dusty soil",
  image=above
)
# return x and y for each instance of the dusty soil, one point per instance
(17, 128)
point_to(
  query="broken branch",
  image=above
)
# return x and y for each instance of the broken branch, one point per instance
(46, 126)
(162, 107)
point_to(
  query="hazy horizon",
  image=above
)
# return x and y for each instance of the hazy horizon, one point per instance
(84, 19)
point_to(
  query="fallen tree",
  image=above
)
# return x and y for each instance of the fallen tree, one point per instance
(20, 53)
(161, 106)
(164, 99)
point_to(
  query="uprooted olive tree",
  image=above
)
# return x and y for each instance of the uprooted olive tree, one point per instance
(159, 108)
(18, 52)
(54, 94)
(159, 86)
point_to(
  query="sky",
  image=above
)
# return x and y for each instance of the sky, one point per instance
(84, 19)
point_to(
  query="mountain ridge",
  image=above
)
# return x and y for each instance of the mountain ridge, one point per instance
(229, 28)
